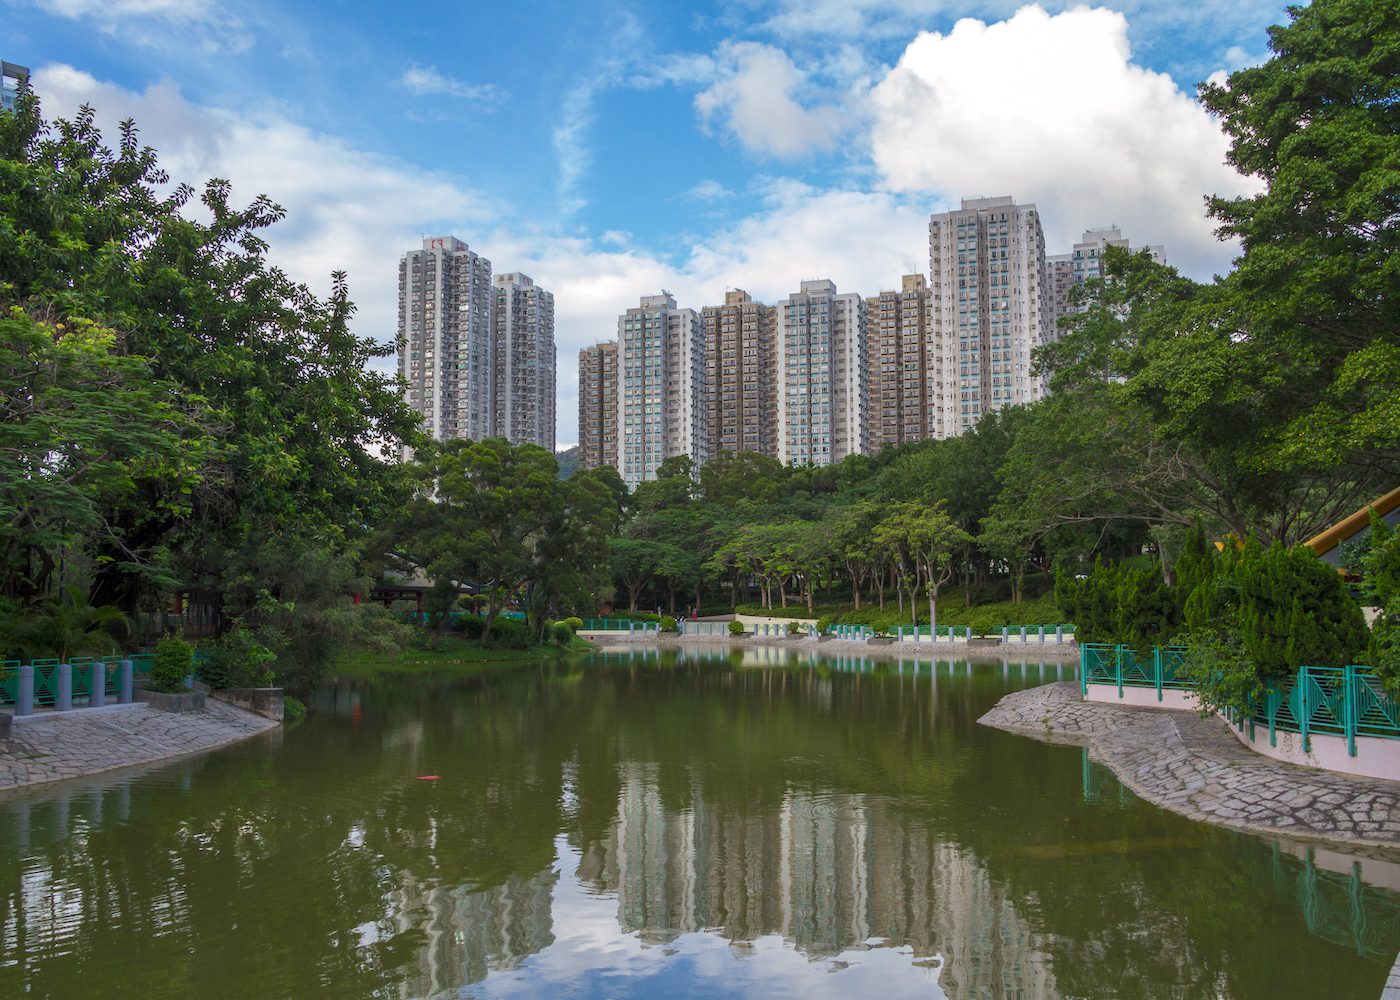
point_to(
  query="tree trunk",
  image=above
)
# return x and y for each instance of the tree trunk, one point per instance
(490, 620)
(671, 593)
(633, 592)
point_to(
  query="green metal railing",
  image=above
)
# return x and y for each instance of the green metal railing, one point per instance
(1121, 666)
(621, 625)
(83, 674)
(1339, 701)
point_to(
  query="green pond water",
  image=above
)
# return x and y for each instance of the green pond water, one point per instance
(653, 826)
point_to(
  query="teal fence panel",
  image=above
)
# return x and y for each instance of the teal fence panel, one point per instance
(82, 677)
(45, 681)
(1338, 701)
(9, 682)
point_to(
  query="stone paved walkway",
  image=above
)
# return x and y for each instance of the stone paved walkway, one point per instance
(93, 740)
(1194, 766)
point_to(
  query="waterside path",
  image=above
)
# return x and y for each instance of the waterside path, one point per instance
(1194, 766)
(89, 741)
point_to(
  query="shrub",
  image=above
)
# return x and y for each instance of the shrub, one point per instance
(574, 623)
(293, 710)
(668, 624)
(794, 628)
(174, 662)
(561, 633)
(1262, 614)
(506, 633)
(1288, 608)
(736, 627)
(824, 623)
(236, 660)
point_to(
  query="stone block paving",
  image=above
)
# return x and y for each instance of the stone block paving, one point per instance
(94, 740)
(1392, 983)
(1194, 766)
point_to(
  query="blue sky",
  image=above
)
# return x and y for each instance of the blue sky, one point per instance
(611, 149)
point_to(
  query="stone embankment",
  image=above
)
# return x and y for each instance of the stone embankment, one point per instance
(1195, 767)
(56, 746)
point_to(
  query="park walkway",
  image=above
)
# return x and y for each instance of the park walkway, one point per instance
(1194, 766)
(90, 741)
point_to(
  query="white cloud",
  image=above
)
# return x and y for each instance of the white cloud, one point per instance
(756, 99)
(346, 209)
(1052, 110)
(707, 192)
(427, 80)
(158, 23)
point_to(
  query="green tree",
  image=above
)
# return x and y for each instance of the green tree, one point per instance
(634, 562)
(1318, 124)
(298, 421)
(80, 426)
(925, 541)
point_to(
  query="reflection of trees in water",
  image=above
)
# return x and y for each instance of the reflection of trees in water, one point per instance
(827, 803)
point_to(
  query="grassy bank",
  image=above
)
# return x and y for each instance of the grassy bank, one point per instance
(452, 653)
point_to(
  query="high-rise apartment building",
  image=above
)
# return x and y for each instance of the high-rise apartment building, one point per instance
(661, 401)
(822, 391)
(1084, 263)
(992, 306)
(445, 348)
(523, 361)
(13, 77)
(597, 406)
(741, 384)
(898, 328)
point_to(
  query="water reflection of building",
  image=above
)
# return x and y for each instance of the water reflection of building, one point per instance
(467, 933)
(827, 872)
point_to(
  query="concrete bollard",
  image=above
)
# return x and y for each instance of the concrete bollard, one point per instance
(24, 694)
(1059, 633)
(127, 685)
(97, 686)
(1023, 633)
(63, 700)
(1042, 633)
(1005, 634)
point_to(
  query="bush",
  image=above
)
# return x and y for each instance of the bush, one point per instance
(1287, 607)
(736, 628)
(824, 623)
(506, 633)
(174, 662)
(574, 623)
(561, 633)
(236, 660)
(794, 628)
(292, 710)
(668, 624)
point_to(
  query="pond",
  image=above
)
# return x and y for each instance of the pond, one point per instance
(640, 825)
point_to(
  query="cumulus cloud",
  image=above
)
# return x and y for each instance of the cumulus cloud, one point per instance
(756, 98)
(1052, 109)
(427, 80)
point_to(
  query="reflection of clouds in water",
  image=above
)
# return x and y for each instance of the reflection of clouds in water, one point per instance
(590, 956)
(824, 895)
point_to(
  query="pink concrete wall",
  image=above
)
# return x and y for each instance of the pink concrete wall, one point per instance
(1375, 757)
(1143, 697)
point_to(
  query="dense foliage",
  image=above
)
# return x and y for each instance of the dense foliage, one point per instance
(176, 414)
